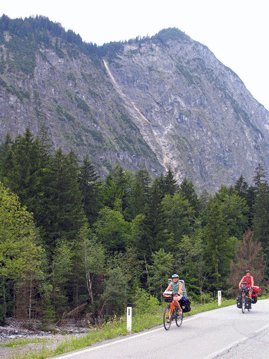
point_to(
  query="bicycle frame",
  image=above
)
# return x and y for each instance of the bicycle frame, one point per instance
(244, 294)
(171, 313)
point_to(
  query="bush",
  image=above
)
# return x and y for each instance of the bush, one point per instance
(145, 303)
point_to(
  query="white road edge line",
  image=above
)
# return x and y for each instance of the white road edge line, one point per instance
(81, 351)
(223, 350)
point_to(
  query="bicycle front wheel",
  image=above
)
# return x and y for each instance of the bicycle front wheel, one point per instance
(179, 318)
(167, 317)
(243, 304)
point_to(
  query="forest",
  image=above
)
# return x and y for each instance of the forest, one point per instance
(73, 242)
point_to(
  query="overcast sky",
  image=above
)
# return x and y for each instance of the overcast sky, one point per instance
(236, 31)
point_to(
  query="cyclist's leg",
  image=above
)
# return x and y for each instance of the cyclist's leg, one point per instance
(176, 302)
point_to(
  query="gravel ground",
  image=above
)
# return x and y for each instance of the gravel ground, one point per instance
(15, 330)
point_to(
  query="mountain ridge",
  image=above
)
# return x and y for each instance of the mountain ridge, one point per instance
(158, 102)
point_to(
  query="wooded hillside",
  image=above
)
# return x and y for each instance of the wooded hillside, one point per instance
(72, 242)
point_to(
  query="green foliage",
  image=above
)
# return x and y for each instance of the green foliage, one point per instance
(234, 211)
(20, 254)
(164, 36)
(144, 303)
(116, 186)
(90, 188)
(261, 220)
(109, 242)
(190, 264)
(219, 248)
(138, 196)
(112, 230)
(179, 216)
(160, 271)
(188, 191)
(23, 54)
(21, 94)
(115, 293)
(62, 200)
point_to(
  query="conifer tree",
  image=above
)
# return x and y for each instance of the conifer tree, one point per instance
(23, 170)
(219, 248)
(260, 176)
(63, 211)
(117, 186)
(249, 194)
(170, 184)
(234, 211)
(179, 216)
(138, 195)
(155, 236)
(241, 187)
(187, 189)
(5, 157)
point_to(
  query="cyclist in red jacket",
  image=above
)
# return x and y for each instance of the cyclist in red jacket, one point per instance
(248, 279)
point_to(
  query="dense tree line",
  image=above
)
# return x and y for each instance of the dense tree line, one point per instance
(40, 30)
(71, 242)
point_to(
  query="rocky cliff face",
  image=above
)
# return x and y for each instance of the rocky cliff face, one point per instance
(155, 102)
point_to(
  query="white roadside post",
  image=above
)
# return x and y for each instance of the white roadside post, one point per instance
(129, 319)
(219, 297)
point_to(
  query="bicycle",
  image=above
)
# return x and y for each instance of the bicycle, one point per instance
(244, 295)
(171, 312)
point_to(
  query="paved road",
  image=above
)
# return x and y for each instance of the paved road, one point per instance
(222, 333)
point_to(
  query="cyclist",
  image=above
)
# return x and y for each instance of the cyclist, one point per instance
(176, 287)
(248, 279)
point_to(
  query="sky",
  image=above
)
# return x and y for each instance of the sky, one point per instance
(236, 31)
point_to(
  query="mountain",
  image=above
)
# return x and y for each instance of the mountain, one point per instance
(158, 102)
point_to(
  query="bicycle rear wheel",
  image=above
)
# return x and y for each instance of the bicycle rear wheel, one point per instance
(179, 318)
(167, 317)
(243, 304)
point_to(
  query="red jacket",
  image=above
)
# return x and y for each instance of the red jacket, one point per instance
(248, 280)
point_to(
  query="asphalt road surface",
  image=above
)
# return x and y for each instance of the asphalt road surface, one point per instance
(221, 333)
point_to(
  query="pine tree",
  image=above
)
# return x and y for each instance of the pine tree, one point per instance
(189, 193)
(155, 236)
(138, 195)
(170, 184)
(249, 194)
(219, 248)
(241, 187)
(260, 176)
(23, 169)
(116, 187)
(63, 212)
(5, 156)
(90, 187)
(179, 216)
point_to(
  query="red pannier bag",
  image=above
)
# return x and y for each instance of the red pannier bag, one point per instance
(256, 290)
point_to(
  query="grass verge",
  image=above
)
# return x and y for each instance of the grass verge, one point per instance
(112, 329)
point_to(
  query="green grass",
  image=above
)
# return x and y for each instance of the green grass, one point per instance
(21, 342)
(110, 330)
